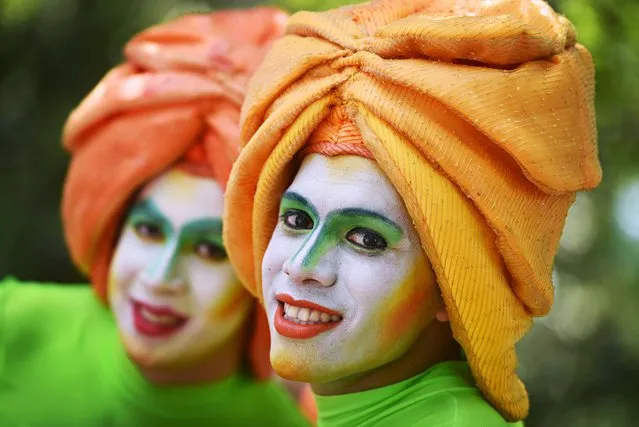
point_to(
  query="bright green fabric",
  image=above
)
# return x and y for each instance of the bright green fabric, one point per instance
(443, 396)
(62, 364)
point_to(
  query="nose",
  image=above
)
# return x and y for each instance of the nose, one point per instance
(312, 264)
(161, 277)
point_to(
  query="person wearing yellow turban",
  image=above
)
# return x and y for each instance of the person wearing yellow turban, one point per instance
(172, 338)
(407, 171)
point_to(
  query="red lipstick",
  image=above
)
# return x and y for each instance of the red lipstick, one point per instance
(145, 324)
(290, 329)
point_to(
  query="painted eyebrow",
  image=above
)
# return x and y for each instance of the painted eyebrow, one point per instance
(211, 225)
(147, 207)
(360, 212)
(295, 197)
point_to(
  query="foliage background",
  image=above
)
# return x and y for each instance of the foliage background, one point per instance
(581, 363)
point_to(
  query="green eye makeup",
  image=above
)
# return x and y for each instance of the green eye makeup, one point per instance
(364, 230)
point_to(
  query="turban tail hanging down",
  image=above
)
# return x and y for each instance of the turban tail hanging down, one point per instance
(481, 113)
(176, 99)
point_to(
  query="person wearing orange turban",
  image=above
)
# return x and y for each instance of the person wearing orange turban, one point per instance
(407, 171)
(173, 338)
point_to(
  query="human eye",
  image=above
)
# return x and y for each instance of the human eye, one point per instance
(367, 239)
(209, 251)
(148, 230)
(296, 220)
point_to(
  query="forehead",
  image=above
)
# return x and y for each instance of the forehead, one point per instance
(346, 182)
(182, 197)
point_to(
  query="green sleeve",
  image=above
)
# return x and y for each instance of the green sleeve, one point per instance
(7, 286)
(30, 312)
(45, 355)
(33, 315)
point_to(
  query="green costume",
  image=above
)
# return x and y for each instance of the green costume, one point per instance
(62, 364)
(442, 396)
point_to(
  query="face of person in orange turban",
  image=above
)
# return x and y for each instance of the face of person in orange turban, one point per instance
(172, 290)
(425, 154)
(151, 150)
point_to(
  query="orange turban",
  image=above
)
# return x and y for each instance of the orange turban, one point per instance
(177, 97)
(481, 114)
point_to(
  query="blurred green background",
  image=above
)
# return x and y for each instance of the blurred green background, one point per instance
(581, 363)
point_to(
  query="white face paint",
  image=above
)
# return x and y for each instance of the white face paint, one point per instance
(173, 291)
(346, 284)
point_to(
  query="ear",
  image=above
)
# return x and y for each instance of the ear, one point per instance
(442, 315)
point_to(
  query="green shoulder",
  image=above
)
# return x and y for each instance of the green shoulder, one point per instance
(30, 311)
(466, 408)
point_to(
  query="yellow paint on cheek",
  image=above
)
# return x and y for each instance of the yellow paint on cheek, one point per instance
(111, 285)
(407, 309)
(232, 303)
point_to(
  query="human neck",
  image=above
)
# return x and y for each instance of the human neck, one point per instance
(433, 346)
(215, 367)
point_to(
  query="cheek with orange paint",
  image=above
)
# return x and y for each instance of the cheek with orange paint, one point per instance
(233, 302)
(111, 285)
(395, 313)
(405, 313)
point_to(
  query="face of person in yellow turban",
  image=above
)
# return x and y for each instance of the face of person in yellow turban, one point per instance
(473, 126)
(346, 284)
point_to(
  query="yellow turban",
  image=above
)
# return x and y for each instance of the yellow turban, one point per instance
(481, 114)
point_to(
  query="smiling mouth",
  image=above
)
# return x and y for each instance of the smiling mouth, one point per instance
(301, 319)
(156, 322)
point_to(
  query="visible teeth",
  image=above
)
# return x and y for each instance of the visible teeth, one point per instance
(155, 318)
(291, 310)
(303, 314)
(306, 316)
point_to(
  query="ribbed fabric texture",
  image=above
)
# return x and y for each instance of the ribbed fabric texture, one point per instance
(337, 136)
(177, 97)
(481, 113)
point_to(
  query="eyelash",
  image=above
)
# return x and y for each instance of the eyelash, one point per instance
(217, 252)
(367, 232)
(290, 212)
(153, 232)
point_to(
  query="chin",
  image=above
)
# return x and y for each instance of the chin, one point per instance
(153, 357)
(291, 368)
(312, 373)
(305, 366)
